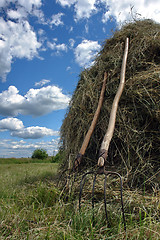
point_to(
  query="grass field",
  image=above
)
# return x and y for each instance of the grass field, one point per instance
(23, 160)
(32, 207)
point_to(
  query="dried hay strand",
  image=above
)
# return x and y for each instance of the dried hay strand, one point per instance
(135, 146)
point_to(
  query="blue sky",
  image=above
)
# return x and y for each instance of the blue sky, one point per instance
(44, 45)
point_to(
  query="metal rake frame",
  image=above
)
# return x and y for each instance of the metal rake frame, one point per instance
(102, 171)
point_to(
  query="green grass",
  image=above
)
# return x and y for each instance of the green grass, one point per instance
(23, 160)
(32, 207)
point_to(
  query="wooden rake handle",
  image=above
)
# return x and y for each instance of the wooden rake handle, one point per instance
(111, 126)
(92, 127)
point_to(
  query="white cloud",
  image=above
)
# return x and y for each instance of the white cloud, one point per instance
(41, 32)
(68, 68)
(29, 4)
(16, 14)
(21, 8)
(40, 15)
(87, 28)
(12, 124)
(23, 42)
(42, 101)
(83, 8)
(36, 102)
(17, 37)
(71, 29)
(17, 129)
(57, 47)
(56, 19)
(11, 102)
(85, 52)
(71, 42)
(61, 47)
(34, 132)
(65, 3)
(12, 148)
(121, 10)
(17, 40)
(42, 82)
(3, 3)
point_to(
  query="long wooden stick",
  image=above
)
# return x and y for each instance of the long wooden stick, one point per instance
(111, 126)
(92, 127)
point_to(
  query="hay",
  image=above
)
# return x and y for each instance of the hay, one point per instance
(135, 147)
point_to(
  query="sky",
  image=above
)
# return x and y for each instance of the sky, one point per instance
(44, 46)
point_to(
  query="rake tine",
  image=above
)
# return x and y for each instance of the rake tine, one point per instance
(105, 204)
(121, 190)
(94, 181)
(83, 180)
(124, 220)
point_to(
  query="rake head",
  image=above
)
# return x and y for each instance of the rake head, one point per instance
(105, 173)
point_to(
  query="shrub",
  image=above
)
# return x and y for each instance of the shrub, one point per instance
(58, 157)
(40, 154)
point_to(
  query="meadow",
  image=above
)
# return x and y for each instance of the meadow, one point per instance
(33, 207)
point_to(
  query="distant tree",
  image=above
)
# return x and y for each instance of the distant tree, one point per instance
(40, 154)
(58, 157)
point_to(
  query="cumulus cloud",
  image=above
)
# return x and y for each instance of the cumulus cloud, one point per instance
(17, 37)
(58, 48)
(65, 3)
(34, 132)
(25, 7)
(83, 8)
(56, 19)
(61, 47)
(11, 124)
(121, 10)
(21, 148)
(85, 52)
(42, 82)
(20, 9)
(17, 14)
(11, 102)
(36, 102)
(29, 4)
(17, 129)
(17, 40)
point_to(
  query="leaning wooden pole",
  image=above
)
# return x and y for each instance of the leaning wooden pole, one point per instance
(92, 127)
(111, 126)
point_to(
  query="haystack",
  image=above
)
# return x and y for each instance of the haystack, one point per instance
(135, 146)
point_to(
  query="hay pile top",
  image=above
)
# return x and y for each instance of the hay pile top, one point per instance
(135, 145)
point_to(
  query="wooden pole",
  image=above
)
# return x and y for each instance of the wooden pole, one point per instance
(93, 124)
(111, 126)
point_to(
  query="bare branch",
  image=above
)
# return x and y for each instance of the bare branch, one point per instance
(108, 136)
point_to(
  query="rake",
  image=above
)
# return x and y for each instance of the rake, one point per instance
(105, 146)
